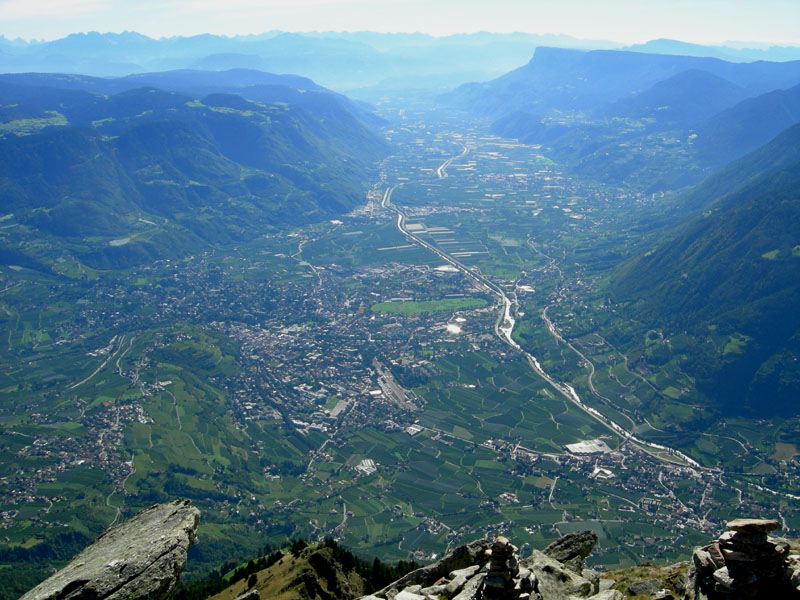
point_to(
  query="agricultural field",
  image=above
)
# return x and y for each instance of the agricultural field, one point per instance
(341, 379)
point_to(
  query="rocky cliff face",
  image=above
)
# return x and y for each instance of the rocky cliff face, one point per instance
(141, 559)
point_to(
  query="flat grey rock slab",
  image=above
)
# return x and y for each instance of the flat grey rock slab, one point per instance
(140, 559)
(406, 595)
(608, 595)
(753, 525)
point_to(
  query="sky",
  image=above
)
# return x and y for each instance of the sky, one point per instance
(625, 21)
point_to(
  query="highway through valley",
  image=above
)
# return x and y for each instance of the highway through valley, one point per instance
(504, 329)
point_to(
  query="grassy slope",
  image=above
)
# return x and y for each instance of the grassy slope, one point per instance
(313, 574)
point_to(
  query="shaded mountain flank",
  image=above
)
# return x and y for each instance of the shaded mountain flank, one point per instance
(734, 271)
(147, 173)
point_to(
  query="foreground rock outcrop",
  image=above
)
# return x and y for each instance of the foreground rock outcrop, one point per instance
(140, 559)
(745, 563)
(493, 571)
(572, 549)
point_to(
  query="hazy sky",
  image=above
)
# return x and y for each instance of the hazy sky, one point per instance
(701, 21)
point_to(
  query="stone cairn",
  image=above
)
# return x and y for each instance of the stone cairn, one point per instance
(491, 570)
(744, 563)
(499, 581)
(504, 579)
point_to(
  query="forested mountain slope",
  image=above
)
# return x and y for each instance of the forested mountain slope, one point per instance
(733, 271)
(146, 173)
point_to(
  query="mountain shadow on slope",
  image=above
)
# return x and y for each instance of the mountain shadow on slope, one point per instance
(733, 273)
(746, 126)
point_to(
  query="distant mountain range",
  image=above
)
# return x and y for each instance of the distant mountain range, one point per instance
(249, 83)
(657, 121)
(341, 60)
(117, 172)
(732, 52)
(562, 79)
(345, 61)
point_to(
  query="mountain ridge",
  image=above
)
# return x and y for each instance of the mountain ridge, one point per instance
(583, 80)
(147, 155)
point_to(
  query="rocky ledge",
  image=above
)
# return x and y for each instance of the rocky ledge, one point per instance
(492, 571)
(141, 559)
(743, 563)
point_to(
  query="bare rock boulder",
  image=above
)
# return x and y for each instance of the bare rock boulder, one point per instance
(572, 549)
(469, 555)
(555, 581)
(140, 559)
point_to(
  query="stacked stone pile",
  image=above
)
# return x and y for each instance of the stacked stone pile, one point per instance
(497, 573)
(744, 563)
(499, 582)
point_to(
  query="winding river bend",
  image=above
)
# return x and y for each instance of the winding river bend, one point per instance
(504, 329)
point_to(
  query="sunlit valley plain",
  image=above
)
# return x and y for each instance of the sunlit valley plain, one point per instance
(492, 284)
